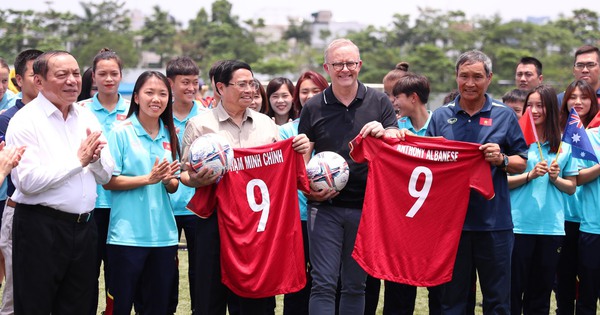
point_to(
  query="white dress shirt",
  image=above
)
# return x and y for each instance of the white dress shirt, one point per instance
(50, 173)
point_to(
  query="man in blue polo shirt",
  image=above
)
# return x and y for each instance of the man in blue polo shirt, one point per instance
(487, 239)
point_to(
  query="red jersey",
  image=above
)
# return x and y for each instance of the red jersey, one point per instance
(415, 205)
(262, 252)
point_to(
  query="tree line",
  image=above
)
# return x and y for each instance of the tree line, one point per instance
(430, 42)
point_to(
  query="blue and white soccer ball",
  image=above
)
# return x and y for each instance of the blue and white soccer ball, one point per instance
(327, 170)
(213, 151)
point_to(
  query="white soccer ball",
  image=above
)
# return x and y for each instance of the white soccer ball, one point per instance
(327, 170)
(213, 151)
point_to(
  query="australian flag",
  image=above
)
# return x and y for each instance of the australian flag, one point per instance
(576, 136)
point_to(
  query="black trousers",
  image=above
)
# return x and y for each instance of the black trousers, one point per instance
(589, 274)
(534, 264)
(54, 262)
(212, 296)
(297, 303)
(566, 275)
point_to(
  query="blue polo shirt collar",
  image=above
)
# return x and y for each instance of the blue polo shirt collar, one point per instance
(141, 132)
(121, 107)
(329, 97)
(487, 106)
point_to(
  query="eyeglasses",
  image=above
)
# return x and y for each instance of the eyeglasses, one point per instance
(338, 66)
(589, 65)
(242, 85)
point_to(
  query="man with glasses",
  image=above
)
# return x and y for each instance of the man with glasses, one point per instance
(331, 120)
(586, 67)
(243, 128)
(528, 74)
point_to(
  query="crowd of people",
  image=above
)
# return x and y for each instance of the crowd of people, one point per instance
(93, 179)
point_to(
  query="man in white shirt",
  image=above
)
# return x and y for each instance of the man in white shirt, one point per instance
(54, 240)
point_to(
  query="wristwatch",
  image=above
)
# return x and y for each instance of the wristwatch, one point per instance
(504, 164)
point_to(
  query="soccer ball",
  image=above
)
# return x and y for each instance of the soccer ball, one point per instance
(327, 170)
(213, 151)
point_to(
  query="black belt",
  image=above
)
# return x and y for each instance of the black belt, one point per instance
(57, 214)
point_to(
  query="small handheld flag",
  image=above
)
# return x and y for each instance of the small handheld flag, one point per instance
(576, 136)
(529, 132)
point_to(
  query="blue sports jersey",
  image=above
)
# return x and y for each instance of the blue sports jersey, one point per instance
(494, 123)
(286, 131)
(108, 120)
(573, 204)
(141, 216)
(538, 207)
(405, 122)
(182, 196)
(590, 192)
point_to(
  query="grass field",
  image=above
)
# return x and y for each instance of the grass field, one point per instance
(183, 307)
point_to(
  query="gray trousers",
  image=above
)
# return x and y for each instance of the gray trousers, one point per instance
(331, 234)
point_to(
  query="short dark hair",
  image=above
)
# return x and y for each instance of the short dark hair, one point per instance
(182, 66)
(413, 83)
(228, 68)
(216, 67)
(587, 49)
(532, 61)
(22, 59)
(514, 95)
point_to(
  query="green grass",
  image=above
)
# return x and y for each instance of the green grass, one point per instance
(183, 307)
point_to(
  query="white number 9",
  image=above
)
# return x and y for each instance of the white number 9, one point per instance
(263, 206)
(420, 194)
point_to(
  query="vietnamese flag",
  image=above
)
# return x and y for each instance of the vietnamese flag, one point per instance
(528, 127)
(485, 121)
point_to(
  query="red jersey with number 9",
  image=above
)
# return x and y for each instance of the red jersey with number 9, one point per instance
(415, 205)
(262, 252)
